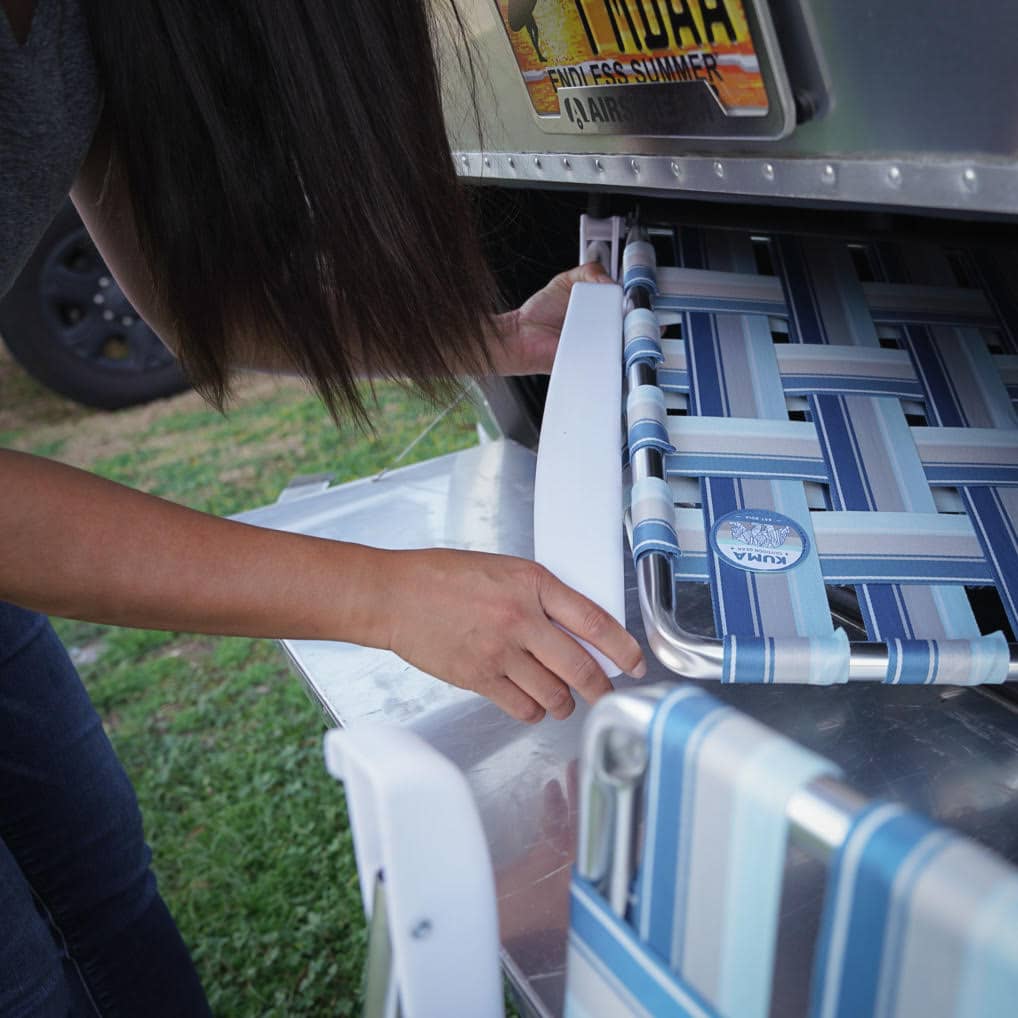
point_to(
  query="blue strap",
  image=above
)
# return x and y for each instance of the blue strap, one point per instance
(776, 449)
(744, 446)
(866, 548)
(872, 461)
(653, 515)
(816, 661)
(963, 389)
(808, 369)
(673, 376)
(734, 374)
(929, 305)
(647, 418)
(917, 921)
(610, 971)
(996, 272)
(642, 336)
(856, 909)
(639, 266)
(953, 662)
(715, 833)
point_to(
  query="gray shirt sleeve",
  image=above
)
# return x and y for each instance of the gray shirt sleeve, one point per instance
(49, 107)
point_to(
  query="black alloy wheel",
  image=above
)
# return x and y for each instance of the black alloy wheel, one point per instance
(69, 325)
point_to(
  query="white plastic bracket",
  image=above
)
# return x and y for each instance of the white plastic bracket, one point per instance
(601, 241)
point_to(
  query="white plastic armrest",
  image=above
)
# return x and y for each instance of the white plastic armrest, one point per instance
(413, 818)
(578, 488)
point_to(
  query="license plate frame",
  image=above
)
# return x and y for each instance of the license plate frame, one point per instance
(694, 82)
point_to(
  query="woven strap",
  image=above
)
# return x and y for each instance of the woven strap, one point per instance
(642, 338)
(913, 513)
(653, 519)
(733, 372)
(610, 972)
(865, 441)
(917, 922)
(648, 419)
(964, 390)
(709, 884)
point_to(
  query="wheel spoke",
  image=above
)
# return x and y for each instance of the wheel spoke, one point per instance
(87, 317)
(63, 285)
(147, 346)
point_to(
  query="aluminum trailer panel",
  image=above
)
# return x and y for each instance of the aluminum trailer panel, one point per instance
(904, 105)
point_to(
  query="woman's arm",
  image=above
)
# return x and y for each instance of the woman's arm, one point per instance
(481, 622)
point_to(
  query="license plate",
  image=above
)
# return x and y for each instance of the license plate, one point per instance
(689, 68)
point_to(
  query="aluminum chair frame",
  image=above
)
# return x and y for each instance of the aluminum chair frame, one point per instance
(613, 762)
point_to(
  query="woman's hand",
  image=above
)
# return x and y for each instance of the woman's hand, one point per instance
(487, 623)
(530, 334)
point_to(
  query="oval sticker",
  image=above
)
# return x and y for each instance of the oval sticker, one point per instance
(759, 541)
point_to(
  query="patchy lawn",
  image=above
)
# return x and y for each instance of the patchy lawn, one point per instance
(249, 836)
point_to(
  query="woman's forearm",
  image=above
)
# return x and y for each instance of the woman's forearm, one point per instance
(75, 545)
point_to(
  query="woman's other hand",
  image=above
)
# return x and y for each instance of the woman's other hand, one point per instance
(530, 334)
(488, 623)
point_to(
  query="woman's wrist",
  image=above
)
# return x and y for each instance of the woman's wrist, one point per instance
(362, 611)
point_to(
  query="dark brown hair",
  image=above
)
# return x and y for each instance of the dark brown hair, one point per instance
(292, 184)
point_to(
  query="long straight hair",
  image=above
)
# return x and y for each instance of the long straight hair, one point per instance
(292, 185)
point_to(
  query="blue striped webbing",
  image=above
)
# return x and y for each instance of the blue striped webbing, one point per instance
(917, 921)
(872, 461)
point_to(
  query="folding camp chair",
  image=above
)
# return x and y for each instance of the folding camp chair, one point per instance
(692, 819)
(695, 820)
(823, 425)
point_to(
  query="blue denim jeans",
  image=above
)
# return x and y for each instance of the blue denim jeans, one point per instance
(83, 930)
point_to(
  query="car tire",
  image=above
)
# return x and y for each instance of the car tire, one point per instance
(69, 325)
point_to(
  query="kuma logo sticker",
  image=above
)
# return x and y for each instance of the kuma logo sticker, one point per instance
(759, 540)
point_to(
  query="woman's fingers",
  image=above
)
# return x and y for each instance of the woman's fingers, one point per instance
(507, 695)
(588, 272)
(592, 623)
(492, 624)
(564, 657)
(542, 685)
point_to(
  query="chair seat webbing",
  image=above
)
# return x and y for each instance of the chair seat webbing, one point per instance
(830, 423)
(648, 419)
(642, 337)
(734, 373)
(955, 662)
(862, 371)
(917, 921)
(963, 390)
(751, 447)
(1008, 369)
(872, 461)
(806, 370)
(709, 884)
(995, 274)
(860, 547)
(692, 288)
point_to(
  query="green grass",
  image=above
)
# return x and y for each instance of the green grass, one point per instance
(225, 465)
(249, 835)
